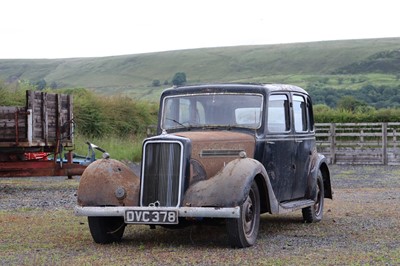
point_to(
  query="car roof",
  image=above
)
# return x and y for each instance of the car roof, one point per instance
(234, 87)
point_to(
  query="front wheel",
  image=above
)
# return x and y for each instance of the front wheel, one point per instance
(106, 230)
(314, 213)
(243, 231)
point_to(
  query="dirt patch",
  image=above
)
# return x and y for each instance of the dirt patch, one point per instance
(360, 226)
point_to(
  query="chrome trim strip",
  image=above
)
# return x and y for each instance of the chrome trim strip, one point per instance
(212, 212)
(219, 153)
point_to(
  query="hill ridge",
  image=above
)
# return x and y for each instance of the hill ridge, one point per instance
(299, 63)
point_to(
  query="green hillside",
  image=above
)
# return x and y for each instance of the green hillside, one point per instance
(334, 64)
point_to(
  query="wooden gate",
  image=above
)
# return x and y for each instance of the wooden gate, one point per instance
(359, 143)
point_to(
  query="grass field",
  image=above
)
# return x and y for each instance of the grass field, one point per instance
(299, 63)
(360, 227)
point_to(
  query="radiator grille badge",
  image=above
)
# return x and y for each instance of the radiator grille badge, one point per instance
(155, 204)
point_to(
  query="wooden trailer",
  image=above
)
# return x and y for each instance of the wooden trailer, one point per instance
(44, 127)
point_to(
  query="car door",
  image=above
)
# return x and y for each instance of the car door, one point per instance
(304, 142)
(279, 144)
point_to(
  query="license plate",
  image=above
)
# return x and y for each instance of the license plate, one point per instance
(151, 217)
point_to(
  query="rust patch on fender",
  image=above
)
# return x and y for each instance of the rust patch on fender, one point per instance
(228, 188)
(108, 182)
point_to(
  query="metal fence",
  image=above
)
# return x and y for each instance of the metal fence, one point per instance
(359, 143)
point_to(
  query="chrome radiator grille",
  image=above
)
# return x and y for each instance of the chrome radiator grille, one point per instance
(161, 173)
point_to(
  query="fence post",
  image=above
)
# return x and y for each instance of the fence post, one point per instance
(384, 143)
(333, 142)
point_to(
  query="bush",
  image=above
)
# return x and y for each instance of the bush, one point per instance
(14, 94)
(325, 114)
(120, 116)
(156, 83)
(99, 116)
(179, 78)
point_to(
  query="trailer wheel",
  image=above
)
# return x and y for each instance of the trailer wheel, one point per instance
(106, 230)
(243, 231)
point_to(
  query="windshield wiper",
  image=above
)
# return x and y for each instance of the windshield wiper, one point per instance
(177, 122)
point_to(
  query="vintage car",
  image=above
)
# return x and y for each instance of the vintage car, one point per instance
(226, 152)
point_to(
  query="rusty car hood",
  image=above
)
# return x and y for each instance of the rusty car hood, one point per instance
(214, 149)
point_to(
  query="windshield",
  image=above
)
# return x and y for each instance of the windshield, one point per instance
(212, 110)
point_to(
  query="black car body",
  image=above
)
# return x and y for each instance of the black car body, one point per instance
(231, 151)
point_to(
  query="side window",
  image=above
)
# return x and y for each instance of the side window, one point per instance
(310, 114)
(300, 113)
(278, 113)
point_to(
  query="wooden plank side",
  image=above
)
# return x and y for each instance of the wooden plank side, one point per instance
(45, 125)
(49, 113)
(59, 118)
(9, 130)
(70, 129)
(48, 110)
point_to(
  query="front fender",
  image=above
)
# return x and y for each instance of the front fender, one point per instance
(228, 188)
(108, 182)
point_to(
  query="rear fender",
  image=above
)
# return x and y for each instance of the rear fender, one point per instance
(319, 163)
(108, 182)
(230, 186)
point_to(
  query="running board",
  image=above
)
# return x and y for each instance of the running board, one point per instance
(295, 205)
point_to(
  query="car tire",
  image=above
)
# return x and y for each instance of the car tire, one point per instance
(106, 230)
(243, 231)
(314, 213)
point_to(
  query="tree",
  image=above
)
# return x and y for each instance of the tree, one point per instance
(179, 78)
(41, 84)
(54, 85)
(350, 103)
(156, 83)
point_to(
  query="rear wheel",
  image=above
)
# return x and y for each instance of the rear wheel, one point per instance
(243, 231)
(314, 213)
(106, 229)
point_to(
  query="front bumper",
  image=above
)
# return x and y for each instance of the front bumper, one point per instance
(195, 212)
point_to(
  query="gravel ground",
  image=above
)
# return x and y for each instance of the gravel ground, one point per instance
(44, 193)
(37, 194)
(360, 227)
(365, 176)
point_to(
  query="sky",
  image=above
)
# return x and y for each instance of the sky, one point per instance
(96, 28)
